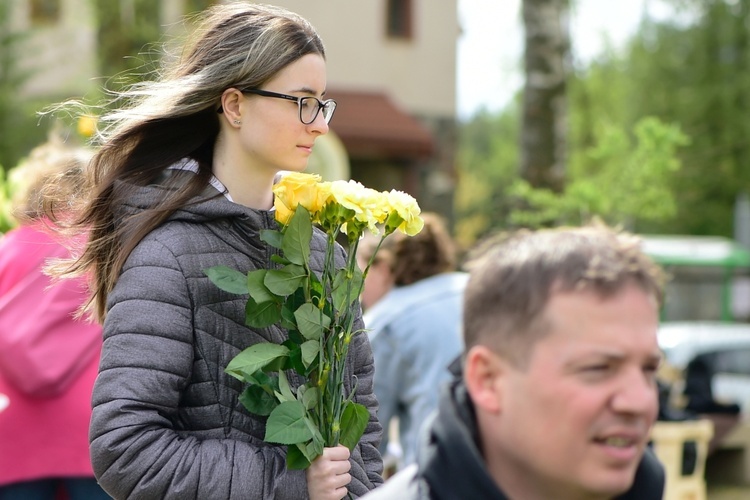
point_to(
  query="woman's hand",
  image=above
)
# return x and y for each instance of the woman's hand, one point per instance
(328, 475)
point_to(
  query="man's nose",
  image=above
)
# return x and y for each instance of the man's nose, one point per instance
(636, 393)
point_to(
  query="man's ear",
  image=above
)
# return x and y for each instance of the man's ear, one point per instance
(483, 374)
(230, 104)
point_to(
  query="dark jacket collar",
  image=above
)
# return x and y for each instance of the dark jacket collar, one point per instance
(450, 460)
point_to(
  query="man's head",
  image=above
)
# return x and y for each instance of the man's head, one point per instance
(561, 358)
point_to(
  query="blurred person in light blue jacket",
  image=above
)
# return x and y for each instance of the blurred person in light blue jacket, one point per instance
(413, 301)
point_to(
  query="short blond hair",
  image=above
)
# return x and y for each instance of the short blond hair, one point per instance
(512, 281)
(52, 166)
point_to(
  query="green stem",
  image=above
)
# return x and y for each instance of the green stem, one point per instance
(323, 412)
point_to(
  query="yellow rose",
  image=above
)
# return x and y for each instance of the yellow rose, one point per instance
(347, 194)
(374, 208)
(322, 195)
(283, 213)
(407, 209)
(297, 189)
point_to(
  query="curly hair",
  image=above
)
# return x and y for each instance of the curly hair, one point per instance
(430, 252)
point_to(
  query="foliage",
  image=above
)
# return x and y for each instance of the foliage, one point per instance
(7, 222)
(17, 121)
(132, 30)
(487, 162)
(124, 32)
(689, 71)
(625, 179)
(624, 183)
(318, 311)
(693, 69)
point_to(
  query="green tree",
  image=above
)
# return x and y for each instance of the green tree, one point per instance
(18, 124)
(622, 177)
(129, 37)
(627, 182)
(488, 157)
(692, 69)
(126, 31)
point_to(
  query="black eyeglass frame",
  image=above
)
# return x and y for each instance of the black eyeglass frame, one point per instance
(298, 100)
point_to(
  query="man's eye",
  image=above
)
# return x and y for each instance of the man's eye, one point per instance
(596, 368)
(651, 369)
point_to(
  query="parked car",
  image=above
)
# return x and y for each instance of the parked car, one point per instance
(723, 347)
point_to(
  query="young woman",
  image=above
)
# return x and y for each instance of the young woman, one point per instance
(184, 177)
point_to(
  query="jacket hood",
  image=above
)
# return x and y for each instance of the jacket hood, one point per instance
(211, 205)
(450, 445)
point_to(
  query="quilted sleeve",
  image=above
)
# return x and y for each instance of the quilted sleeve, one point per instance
(366, 454)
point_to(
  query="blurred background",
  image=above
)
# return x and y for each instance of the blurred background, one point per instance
(496, 114)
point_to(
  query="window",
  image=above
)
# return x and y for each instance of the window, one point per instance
(399, 19)
(45, 11)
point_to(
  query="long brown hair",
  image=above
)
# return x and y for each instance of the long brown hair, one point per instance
(174, 118)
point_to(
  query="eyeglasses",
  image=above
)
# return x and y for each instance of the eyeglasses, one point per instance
(309, 107)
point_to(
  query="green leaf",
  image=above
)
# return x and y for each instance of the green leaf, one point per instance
(261, 315)
(316, 287)
(286, 280)
(304, 454)
(263, 380)
(310, 397)
(278, 259)
(277, 365)
(285, 389)
(228, 279)
(258, 401)
(286, 424)
(295, 357)
(345, 291)
(272, 237)
(255, 358)
(296, 241)
(315, 448)
(311, 321)
(295, 458)
(258, 290)
(310, 351)
(290, 305)
(353, 423)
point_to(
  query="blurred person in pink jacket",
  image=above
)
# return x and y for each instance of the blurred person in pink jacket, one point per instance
(48, 358)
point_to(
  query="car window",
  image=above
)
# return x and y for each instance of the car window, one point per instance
(734, 361)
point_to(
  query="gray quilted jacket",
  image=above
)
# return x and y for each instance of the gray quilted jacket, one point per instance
(166, 422)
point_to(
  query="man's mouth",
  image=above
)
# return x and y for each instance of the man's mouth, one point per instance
(618, 442)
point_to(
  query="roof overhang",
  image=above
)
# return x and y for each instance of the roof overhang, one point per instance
(370, 124)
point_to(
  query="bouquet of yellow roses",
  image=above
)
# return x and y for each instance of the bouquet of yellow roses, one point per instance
(318, 311)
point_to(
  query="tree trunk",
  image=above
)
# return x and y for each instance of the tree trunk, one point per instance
(544, 122)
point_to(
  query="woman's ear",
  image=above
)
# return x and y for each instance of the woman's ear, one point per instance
(230, 104)
(483, 374)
